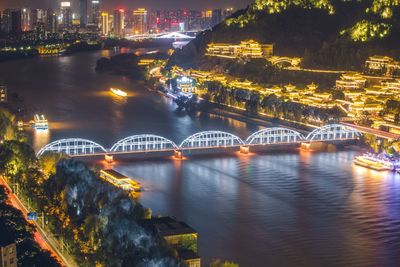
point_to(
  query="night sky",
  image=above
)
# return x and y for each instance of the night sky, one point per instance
(129, 4)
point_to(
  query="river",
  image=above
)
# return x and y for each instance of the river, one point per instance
(288, 208)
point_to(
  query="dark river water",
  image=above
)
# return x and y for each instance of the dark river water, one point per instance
(292, 208)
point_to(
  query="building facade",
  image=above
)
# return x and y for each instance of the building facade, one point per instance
(8, 254)
(140, 20)
(246, 49)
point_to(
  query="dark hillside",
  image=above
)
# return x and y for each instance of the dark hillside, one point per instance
(327, 34)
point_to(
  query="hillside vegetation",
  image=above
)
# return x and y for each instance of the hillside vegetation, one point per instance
(330, 34)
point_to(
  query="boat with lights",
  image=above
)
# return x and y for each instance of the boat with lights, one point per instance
(378, 162)
(40, 122)
(118, 92)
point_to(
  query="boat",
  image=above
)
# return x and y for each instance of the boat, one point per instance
(40, 122)
(119, 180)
(378, 162)
(118, 92)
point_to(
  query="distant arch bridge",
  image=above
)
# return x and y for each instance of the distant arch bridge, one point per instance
(147, 143)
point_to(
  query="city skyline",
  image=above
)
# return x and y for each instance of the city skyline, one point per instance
(126, 4)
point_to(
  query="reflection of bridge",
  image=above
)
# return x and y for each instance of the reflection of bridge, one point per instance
(201, 141)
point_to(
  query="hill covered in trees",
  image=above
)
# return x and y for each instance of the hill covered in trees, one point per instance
(330, 34)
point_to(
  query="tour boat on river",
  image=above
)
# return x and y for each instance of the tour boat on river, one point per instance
(40, 122)
(378, 162)
(118, 92)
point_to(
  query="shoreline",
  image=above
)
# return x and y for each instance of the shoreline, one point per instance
(233, 113)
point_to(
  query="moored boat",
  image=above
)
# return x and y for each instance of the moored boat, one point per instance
(378, 162)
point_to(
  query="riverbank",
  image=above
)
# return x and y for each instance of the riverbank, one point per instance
(242, 115)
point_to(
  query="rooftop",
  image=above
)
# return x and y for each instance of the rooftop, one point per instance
(168, 226)
(186, 254)
(114, 174)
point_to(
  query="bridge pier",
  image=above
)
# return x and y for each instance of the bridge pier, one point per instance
(244, 149)
(305, 145)
(178, 154)
(109, 158)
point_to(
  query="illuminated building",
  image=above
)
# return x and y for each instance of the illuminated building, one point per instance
(94, 13)
(246, 49)
(140, 21)
(25, 20)
(66, 15)
(350, 81)
(105, 25)
(206, 19)
(15, 20)
(391, 85)
(145, 62)
(216, 16)
(381, 65)
(8, 250)
(51, 21)
(3, 94)
(37, 16)
(186, 84)
(119, 180)
(178, 235)
(83, 12)
(119, 23)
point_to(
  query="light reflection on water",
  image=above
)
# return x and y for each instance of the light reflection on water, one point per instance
(287, 209)
(298, 208)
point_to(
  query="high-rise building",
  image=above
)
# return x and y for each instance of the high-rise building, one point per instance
(216, 16)
(119, 23)
(83, 12)
(94, 13)
(51, 21)
(38, 23)
(206, 19)
(16, 21)
(105, 24)
(37, 16)
(66, 14)
(6, 21)
(194, 20)
(25, 20)
(228, 12)
(140, 21)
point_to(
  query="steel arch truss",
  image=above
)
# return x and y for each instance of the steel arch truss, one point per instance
(209, 139)
(73, 147)
(143, 143)
(333, 132)
(276, 135)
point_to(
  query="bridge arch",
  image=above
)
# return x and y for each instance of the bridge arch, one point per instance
(275, 135)
(143, 143)
(332, 132)
(73, 147)
(209, 139)
(285, 61)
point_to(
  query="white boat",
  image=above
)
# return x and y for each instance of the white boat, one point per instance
(377, 162)
(118, 92)
(40, 122)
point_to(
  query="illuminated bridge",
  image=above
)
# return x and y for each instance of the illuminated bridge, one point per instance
(216, 140)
